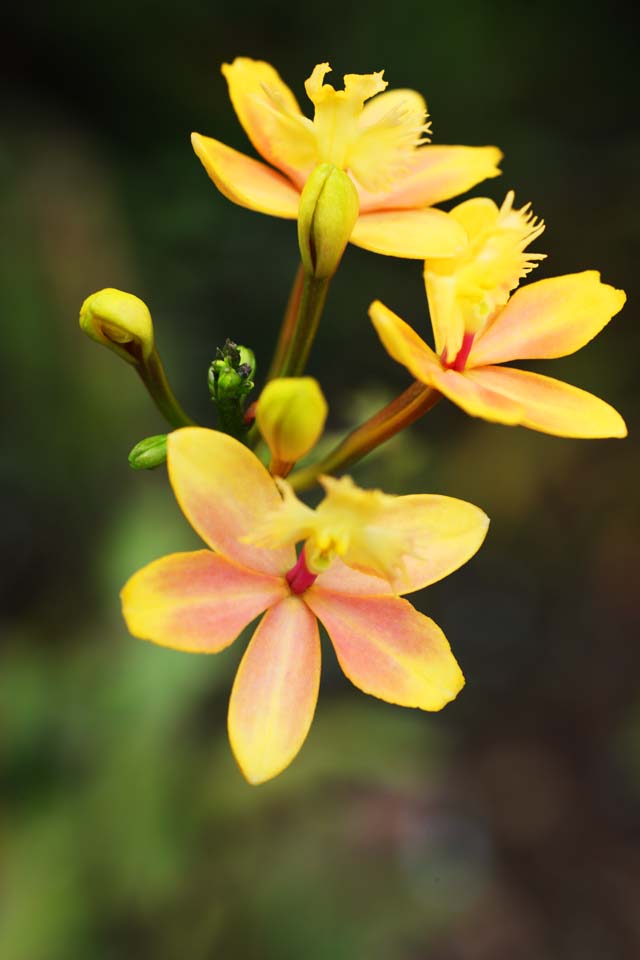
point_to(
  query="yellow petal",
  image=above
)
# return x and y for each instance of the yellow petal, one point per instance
(224, 491)
(275, 691)
(443, 533)
(403, 344)
(477, 399)
(271, 117)
(549, 318)
(338, 112)
(551, 406)
(197, 602)
(477, 215)
(408, 103)
(445, 311)
(390, 129)
(389, 650)
(437, 173)
(412, 234)
(245, 181)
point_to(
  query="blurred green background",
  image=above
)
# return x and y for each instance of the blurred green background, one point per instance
(506, 827)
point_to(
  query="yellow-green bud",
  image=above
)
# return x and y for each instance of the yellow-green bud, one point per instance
(149, 453)
(290, 414)
(119, 321)
(329, 208)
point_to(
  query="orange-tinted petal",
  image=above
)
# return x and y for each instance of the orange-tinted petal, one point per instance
(388, 649)
(245, 181)
(197, 601)
(549, 405)
(270, 115)
(224, 491)
(413, 234)
(437, 173)
(403, 344)
(343, 579)
(443, 533)
(275, 691)
(549, 318)
(477, 399)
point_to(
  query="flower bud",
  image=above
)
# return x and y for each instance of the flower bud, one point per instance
(290, 414)
(119, 321)
(149, 453)
(329, 208)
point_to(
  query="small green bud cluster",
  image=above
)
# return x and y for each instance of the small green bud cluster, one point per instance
(230, 381)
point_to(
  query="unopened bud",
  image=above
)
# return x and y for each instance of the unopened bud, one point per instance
(230, 381)
(119, 321)
(329, 208)
(149, 453)
(290, 414)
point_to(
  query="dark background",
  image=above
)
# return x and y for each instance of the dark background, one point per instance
(508, 825)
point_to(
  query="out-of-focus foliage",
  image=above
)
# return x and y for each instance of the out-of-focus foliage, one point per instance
(507, 826)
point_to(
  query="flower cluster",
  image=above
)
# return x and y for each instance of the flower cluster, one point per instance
(362, 170)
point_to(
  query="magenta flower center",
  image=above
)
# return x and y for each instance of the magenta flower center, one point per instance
(462, 355)
(300, 577)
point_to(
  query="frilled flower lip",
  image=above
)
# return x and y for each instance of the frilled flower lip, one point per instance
(200, 601)
(397, 219)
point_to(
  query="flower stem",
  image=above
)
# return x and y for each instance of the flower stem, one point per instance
(153, 376)
(416, 400)
(312, 301)
(288, 325)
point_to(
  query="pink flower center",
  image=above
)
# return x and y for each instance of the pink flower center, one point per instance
(300, 577)
(462, 355)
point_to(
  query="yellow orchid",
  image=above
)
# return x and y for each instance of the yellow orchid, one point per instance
(361, 550)
(477, 325)
(380, 142)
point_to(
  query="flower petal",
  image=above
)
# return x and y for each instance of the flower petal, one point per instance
(403, 344)
(245, 181)
(340, 578)
(271, 117)
(413, 234)
(476, 399)
(549, 318)
(445, 312)
(444, 532)
(407, 103)
(388, 649)
(198, 602)
(389, 130)
(224, 491)
(551, 406)
(275, 691)
(438, 173)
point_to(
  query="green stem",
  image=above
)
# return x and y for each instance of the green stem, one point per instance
(417, 400)
(314, 295)
(155, 380)
(288, 325)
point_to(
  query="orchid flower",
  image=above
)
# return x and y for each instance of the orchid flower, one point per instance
(362, 550)
(380, 142)
(478, 325)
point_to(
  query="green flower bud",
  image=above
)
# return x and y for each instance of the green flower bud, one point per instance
(328, 211)
(119, 321)
(290, 414)
(149, 453)
(230, 381)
